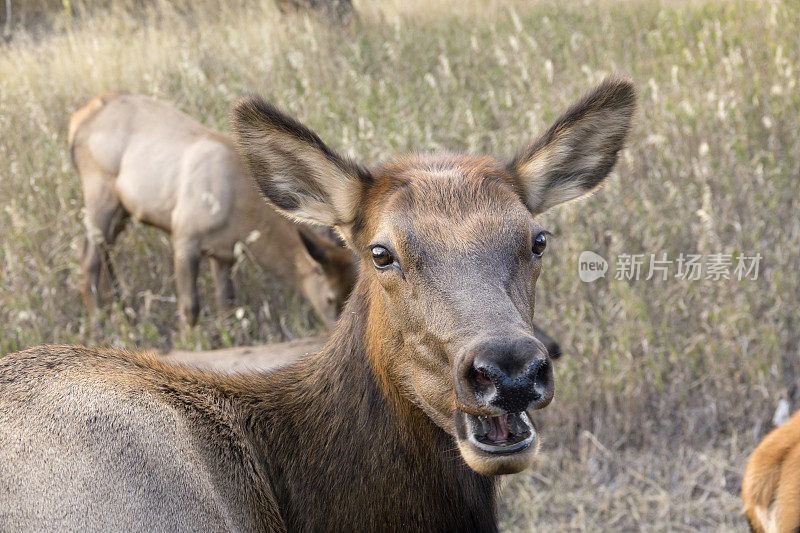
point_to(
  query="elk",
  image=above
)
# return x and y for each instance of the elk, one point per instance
(141, 158)
(771, 484)
(425, 391)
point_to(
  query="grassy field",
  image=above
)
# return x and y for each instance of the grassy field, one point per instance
(665, 386)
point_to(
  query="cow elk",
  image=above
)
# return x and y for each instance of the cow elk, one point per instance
(771, 484)
(425, 391)
(141, 158)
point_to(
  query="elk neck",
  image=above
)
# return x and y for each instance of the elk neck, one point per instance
(334, 423)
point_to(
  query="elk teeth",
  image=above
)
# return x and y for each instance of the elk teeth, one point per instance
(517, 424)
(486, 426)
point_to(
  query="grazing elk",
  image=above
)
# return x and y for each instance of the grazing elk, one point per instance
(143, 158)
(771, 484)
(425, 390)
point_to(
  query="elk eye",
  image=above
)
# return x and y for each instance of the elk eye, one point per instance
(539, 244)
(381, 257)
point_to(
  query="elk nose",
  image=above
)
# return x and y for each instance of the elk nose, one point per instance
(512, 374)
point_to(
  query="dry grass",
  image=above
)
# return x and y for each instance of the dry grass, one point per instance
(673, 488)
(665, 386)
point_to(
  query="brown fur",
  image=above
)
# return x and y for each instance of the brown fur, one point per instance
(372, 468)
(374, 433)
(129, 148)
(771, 484)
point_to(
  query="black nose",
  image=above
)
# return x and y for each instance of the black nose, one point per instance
(512, 374)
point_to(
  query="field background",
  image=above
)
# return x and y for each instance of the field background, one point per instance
(665, 387)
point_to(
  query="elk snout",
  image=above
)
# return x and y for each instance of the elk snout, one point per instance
(507, 374)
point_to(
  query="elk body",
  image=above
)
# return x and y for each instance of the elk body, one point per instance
(141, 158)
(771, 484)
(425, 390)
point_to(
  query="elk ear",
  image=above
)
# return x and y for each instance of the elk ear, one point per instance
(579, 150)
(316, 248)
(332, 257)
(294, 169)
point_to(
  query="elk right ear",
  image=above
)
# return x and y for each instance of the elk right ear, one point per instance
(579, 150)
(294, 169)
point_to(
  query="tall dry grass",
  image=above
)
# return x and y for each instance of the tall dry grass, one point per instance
(665, 385)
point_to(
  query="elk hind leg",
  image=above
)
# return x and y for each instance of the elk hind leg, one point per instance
(103, 226)
(223, 284)
(187, 263)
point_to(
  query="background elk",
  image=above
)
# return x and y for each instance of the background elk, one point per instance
(425, 390)
(143, 158)
(771, 484)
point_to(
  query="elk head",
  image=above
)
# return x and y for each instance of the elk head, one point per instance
(450, 251)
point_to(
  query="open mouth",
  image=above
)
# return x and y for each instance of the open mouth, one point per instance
(503, 434)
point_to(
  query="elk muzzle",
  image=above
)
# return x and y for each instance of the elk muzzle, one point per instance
(498, 382)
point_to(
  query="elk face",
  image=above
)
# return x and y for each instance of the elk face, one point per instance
(455, 255)
(450, 253)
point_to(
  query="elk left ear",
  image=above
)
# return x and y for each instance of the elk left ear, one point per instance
(294, 169)
(579, 150)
